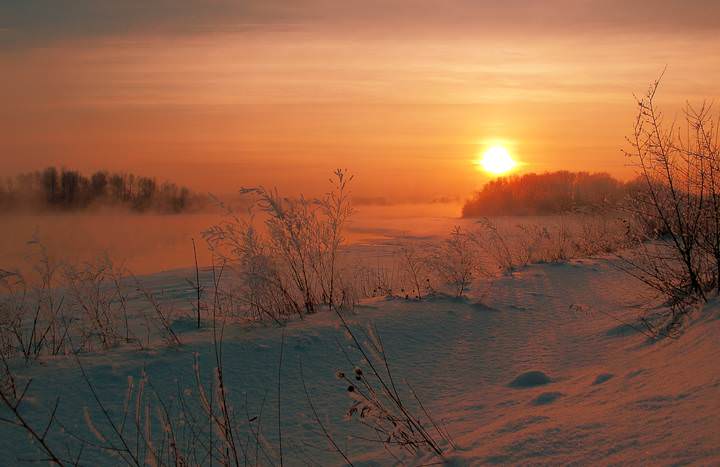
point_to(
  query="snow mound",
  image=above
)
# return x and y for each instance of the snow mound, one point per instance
(602, 398)
(547, 398)
(530, 379)
(602, 378)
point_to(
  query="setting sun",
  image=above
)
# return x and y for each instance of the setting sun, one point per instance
(504, 201)
(497, 161)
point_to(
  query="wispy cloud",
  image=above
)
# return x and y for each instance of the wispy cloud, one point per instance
(39, 22)
(198, 86)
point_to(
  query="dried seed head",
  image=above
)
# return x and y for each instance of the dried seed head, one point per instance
(351, 388)
(358, 371)
(340, 375)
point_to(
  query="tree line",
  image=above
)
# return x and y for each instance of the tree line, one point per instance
(54, 189)
(547, 193)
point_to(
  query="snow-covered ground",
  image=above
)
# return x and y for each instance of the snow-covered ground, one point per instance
(533, 368)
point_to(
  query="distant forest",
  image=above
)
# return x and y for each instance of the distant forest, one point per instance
(547, 193)
(55, 189)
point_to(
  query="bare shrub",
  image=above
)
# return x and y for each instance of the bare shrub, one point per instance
(382, 279)
(378, 405)
(199, 426)
(456, 260)
(31, 311)
(160, 315)
(602, 234)
(12, 394)
(498, 248)
(261, 285)
(675, 208)
(292, 265)
(60, 308)
(99, 301)
(546, 242)
(415, 265)
(202, 424)
(551, 240)
(560, 246)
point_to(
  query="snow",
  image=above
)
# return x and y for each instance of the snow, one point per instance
(534, 368)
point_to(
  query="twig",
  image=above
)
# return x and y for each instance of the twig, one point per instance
(317, 418)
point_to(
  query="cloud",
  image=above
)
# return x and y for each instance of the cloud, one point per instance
(41, 22)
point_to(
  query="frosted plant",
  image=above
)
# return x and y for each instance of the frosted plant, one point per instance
(378, 405)
(288, 264)
(675, 208)
(456, 260)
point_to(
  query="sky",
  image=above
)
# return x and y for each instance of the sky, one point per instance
(219, 94)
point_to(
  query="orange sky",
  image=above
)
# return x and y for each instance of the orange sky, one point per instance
(218, 94)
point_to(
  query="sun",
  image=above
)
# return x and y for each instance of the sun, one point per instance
(497, 161)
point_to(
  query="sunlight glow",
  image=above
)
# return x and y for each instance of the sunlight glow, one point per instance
(496, 160)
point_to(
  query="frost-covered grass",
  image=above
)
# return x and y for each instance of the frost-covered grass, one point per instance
(294, 347)
(608, 395)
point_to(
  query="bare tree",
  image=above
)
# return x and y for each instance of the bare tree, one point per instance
(676, 207)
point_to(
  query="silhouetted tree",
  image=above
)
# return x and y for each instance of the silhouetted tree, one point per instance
(70, 181)
(98, 184)
(548, 193)
(117, 188)
(145, 193)
(50, 184)
(69, 189)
